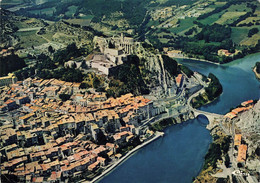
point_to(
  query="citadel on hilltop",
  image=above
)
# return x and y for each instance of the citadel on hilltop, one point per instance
(113, 53)
(121, 43)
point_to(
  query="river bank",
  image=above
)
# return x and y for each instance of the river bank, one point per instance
(211, 92)
(257, 75)
(199, 60)
(216, 130)
(221, 160)
(186, 144)
(217, 156)
(179, 119)
(112, 167)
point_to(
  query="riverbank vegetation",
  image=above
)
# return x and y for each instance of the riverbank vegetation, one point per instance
(160, 125)
(257, 66)
(186, 70)
(257, 70)
(217, 153)
(211, 92)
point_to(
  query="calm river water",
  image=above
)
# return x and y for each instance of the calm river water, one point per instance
(179, 155)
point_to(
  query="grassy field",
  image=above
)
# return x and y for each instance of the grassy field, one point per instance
(48, 36)
(163, 40)
(86, 17)
(46, 11)
(239, 36)
(61, 37)
(29, 38)
(239, 8)
(229, 17)
(11, 2)
(239, 33)
(216, 5)
(82, 22)
(251, 41)
(252, 20)
(183, 25)
(211, 19)
(226, 16)
(71, 11)
(220, 3)
(152, 23)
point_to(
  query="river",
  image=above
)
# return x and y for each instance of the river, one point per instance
(179, 155)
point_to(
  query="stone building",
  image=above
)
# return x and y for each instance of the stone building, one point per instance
(7, 80)
(126, 44)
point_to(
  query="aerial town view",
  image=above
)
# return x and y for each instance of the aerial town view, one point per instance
(131, 91)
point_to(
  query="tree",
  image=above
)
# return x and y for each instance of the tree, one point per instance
(239, 165)
(170, 65)
(83, 86)
(62, 56)
(96, 82)
(10, 63)
(64, 97)
(74, 65)
(215, 88)
(186, 70)
(252, 32)
(50, 49)
(227, 160)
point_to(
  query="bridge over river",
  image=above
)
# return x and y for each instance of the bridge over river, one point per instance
(211, 116)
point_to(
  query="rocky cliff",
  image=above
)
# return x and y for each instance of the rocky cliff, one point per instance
(161, 79)
(156, 71)
(249, 124)
(7, 29)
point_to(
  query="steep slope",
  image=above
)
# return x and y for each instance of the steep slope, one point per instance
(13, 27)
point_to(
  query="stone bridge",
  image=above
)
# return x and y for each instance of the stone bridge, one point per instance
(211, 116)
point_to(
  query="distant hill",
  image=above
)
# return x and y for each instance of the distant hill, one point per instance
(110, 14)
(11, 24)
(176, 24)
(36, 35)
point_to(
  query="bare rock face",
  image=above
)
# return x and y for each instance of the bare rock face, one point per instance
(7, 28)
(160, 80)
(249, 123)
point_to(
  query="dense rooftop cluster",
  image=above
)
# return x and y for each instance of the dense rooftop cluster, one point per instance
(244, 107)
(242, 148)
(47, 139)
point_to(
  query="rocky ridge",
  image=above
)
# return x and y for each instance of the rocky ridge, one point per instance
(249, 124)
(161, 81)
(11, 23)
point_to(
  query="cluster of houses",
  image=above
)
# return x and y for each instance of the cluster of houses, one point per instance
(163, 13)
(244, 107)
(6, 52)
(242, 148)
(223, 52)
(50, 140)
